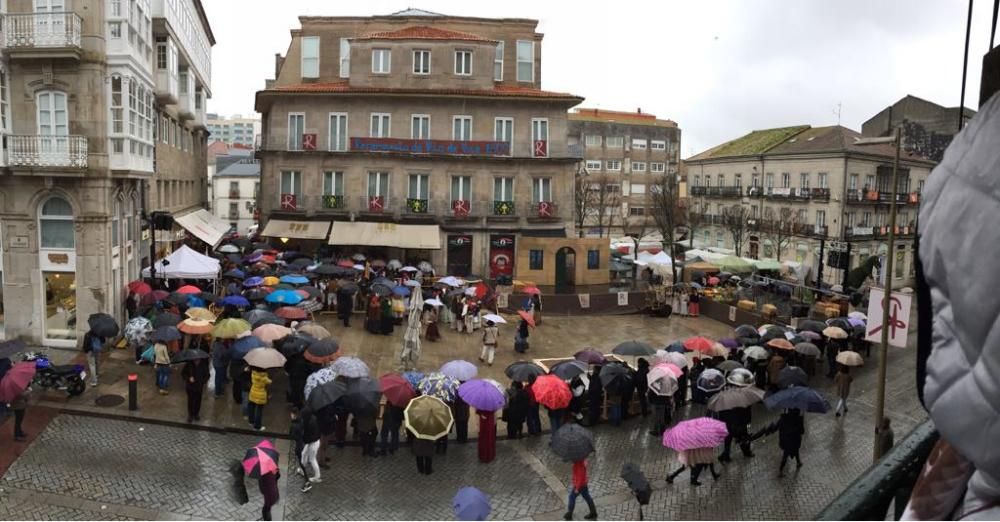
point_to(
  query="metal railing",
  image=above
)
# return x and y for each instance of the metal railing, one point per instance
(332, 202)
(31, 150)
(42, 30)
(503, 208)
(892, 478)
(418, 207)
(374, 204)
(542, 210)
(734, 191)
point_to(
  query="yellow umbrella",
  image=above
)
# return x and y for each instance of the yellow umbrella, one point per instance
(428, 417)
(201, 314)
(230, 328)
(271, 281)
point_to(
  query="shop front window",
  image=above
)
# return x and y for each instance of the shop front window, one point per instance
(60, 305)
(56, 224)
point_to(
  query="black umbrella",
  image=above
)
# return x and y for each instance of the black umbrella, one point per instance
(746, 330)
(349, 287)
(241, 242)
(840, 322)
(267, 320)
(572, 442)
(165, 334)
(166, 319)
(792, 376)
(615, 376)
(261, 246)
(858, 331)
(568, 370)
(360, 396)
(255, 294)
(638, 483)
(812, 326)
(523, 371)
(11, 347)
(748, 341)
(383, 281)
(293, 344)
(380, 290)
(234, 258)
(188, 354)
(102, 325)
(177, 299)
(235, 274)
(774, 332)
(209, 297)
(633, 348)
(301, 262)
(256, 315)
(312, 291)
(322, 350)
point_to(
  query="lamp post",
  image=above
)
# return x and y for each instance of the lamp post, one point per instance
(890, 256)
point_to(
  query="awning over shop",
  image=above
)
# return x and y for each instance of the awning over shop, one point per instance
(766, 264)
(203, 225)
(296, 229)
(345, 233)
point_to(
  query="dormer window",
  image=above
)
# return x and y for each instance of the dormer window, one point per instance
(380, 61)
(463, 62)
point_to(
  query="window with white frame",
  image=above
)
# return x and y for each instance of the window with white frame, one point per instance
(786, 180)
(461, 128)
(821, 182)
(593, 140)
(637, 188)
(658, 145)
(593, 165)
(614, 142)
(636, 211)
(378, 184)
(498, 63)
(463, 62)
(738, 180)
(722, 180)
(638, 144)
(421, 61)
(380, 61)
(503, 131)
(852, 182)
(338, 131)
(870, 182)
(820, 218)
(613, 165)
(420, 126)
(345, 58)
(461, 188)
(769, 180)
(525, 61)
(849, 219)
(540, 134)
(56, 229)
(503, 189)
(310, 56)
(291, 184)
(117, 116)
(419, 187)
(541, 190)
(804, 180)
(380, 125)
(657, 167)
(803, 216)
(638, 166)
(697, 181)
(296, 128)
(720, 239)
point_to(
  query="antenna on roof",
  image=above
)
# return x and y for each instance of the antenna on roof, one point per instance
(837, 112)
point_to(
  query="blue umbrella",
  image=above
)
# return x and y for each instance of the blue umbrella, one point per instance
(471, 504)
(676, 347)
(413, 378)
(253, 281)
(284, 297)
(243, 345)
(401, 291)
(194, 302)
(799, 397)
(294, 279)
(235, 300)
(234, 273)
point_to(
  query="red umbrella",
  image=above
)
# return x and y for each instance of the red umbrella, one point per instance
(189, 289)
(139, 287)
(154, 296)
(345, 263)
(481, 290)
(397, 390)
(303, 293)
(551, 391)
(291, 312)
(527, 317)
(531, 290)
(268, 259)
(16, 380)
(712, 281)
(699, 344)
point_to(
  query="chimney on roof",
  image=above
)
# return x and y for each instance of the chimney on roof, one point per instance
(639, 110)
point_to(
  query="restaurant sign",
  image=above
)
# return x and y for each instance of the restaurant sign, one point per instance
(448, 147)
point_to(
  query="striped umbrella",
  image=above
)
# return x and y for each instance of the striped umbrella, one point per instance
(702, 432)
(260, 460)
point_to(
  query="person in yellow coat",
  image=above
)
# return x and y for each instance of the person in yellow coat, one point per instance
(258, 397)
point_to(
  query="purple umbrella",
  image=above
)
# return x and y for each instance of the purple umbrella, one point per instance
(729, 343)
(810, 336)
(482, 395)
(855, 321)
(253, 258)
(590, 356)
(702, 432)
(253, 281)
(471, 504)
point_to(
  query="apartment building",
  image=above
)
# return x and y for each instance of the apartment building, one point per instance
(926, 127)
(804, 186)
(102, 118)
(235, 130)
(423, 136)
(623, 153)
(236, 190)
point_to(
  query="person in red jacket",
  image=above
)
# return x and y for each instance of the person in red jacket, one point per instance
(487, 436)
(579, 488)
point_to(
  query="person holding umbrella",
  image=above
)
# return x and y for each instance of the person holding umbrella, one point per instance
(532, 417)
(392, 420)
(595, 397)
(345, 303)
(487, 444)
(694, 441)
(521, 339)
(259, 381)
(221, 359)
(195, 374)
(491, 335)
(790, 427)
(516, 411)
(843, 381)
(261, 462)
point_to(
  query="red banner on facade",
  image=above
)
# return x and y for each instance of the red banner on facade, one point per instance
(449, 147)
(501, 256)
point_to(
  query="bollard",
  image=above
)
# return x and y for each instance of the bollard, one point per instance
(133, 384)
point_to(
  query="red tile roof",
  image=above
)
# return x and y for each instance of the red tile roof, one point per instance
(502, 91)
(423, 32)
(639, 118)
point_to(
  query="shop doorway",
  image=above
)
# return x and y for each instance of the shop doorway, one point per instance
(459, 255)
(565, 268)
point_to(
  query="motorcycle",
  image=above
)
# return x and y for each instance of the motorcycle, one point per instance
(69, 377)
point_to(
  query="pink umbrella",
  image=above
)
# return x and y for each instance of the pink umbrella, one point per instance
(16, 380)
(671, 367)
(260, 460)
(662, 380)
(702, 432)
(712, 281)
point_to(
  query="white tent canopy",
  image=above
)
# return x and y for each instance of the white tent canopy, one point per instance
(185, 263)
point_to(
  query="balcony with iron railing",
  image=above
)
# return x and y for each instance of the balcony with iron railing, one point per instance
(289, 202)
(54, 35)
(503, 209)
(462, 209)
(416, 208)
(542, 211)
(331, 203)
(374, 205)
(35, 151)
(867, 196)
(734, 191)
(879, 232)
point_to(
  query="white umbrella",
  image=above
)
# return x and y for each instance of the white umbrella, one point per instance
(229, 249)
(412, 283)
(359, 267)
(265, 358)
(495, 318)
(451, 281)
(434, 302)
(858, 315)
(409, 269)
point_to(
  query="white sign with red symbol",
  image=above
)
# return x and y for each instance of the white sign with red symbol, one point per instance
(460, 207)
(288, 202)
(545, 209)
(898, 322)
(541, 148)
(308, 142)
(376, 203)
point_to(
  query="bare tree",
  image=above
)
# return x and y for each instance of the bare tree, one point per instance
(667, 213)
(595, 203)
(735, 219)
(634, 227)
(780, 230)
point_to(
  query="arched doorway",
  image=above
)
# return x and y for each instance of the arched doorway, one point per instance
(565, 267)
(754, 247)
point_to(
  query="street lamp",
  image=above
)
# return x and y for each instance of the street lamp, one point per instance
(887, 273)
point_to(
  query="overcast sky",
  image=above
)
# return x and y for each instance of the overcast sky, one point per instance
(718, 68)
